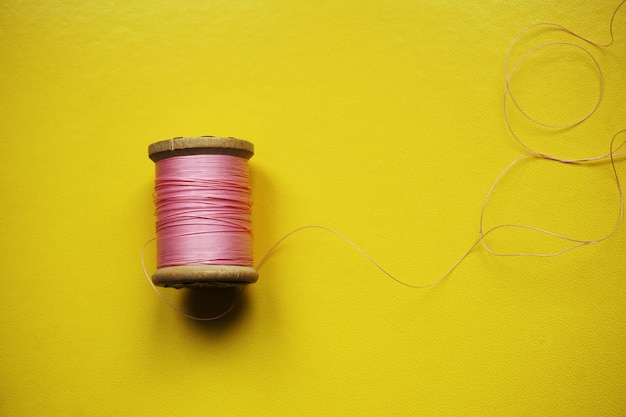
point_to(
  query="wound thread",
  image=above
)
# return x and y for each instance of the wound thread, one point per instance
(203, 211)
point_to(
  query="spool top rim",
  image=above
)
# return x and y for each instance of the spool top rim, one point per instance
(200, 145)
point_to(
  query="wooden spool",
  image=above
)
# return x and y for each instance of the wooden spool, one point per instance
(198, 276)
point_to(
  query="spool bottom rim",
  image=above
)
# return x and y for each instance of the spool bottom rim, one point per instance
(203, 276)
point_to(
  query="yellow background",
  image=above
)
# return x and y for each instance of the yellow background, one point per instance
(382, 120)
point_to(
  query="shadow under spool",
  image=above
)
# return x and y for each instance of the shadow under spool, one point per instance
(200, 276)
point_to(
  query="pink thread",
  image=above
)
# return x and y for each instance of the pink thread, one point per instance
(203, 211)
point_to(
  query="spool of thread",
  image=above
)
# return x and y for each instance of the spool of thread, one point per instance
(180, 270)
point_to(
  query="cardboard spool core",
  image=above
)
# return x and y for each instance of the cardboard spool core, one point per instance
(198, 276)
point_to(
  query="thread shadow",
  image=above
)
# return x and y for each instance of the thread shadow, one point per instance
(214, 302)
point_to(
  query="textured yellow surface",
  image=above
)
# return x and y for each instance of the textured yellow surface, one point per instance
(382, 120)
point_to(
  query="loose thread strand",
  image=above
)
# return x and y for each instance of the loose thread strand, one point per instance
(483, 233)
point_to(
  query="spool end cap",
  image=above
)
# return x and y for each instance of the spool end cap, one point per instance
(202, 276)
